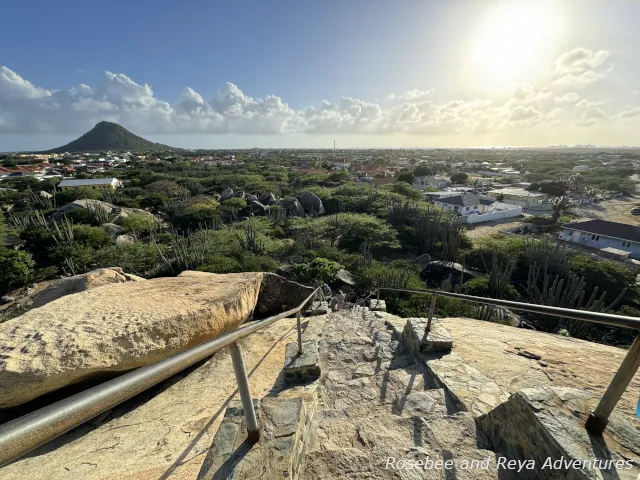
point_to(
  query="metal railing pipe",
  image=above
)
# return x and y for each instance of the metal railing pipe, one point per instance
(585, 315)
(23, 434)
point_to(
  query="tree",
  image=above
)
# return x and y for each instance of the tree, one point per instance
(459, 177)
(319, 270)
(406, 177)
(560, 206)
(16, 267)
(233, 206)
(423, 171)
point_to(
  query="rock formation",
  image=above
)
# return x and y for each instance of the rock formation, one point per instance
(108, 208)
(311, 203)
(226, 194)
(80, 283)
(116, 328)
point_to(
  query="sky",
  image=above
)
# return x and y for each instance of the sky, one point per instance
(303, 74)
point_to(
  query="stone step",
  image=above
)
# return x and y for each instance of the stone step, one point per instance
(411, 332)
(285, 425)
(377, 305)
(301, 367)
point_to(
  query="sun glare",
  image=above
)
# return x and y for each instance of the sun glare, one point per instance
(513, 40)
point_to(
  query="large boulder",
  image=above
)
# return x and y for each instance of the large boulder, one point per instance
(116, 328)
(80, 283)
(114, 211)
(112, 229)
(293, 207)
(439, 270)
(251, 198)
(239, 194)
(226, 194)
(311, 203)
(257, 208)
(267, 199)
(277, 294)
(125, 240)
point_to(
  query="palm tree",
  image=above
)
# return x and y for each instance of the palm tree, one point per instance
(560, 206)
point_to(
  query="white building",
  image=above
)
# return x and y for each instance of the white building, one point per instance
(429, 181)
(475, 209)
(520, 196)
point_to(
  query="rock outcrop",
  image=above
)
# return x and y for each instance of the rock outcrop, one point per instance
(268, 199)
(311, 203)
(293, 207)
(116, 328)
(98, 205)
(278, 294)
(226, 194)
(80, 283)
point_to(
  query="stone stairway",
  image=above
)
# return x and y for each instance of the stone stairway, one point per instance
(374, 412)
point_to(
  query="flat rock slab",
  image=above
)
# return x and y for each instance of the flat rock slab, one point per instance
(377, 305)
(411, 332)
(118, 327)
(546, 424)
(301, 367)
(469, 389)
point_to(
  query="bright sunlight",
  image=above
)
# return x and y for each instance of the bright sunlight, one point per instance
(513, 40)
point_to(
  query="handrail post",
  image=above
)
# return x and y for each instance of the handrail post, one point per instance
(432, 310)
(377, 296)
(299, 333)
(253, 430)
(599, 418)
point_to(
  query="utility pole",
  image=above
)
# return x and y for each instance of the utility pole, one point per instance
(334, 150)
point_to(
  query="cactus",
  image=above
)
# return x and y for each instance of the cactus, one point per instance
(499, 273)
(277, 215)
(38, 200)
(100, 215)
(250, 242)
(62, 232)
(451, 231)
(428, 226)
(552, 257)
(22, 222)
(565, 294)
(366, 259)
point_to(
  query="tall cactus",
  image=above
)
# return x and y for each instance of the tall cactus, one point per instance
(428, 226)
(451, 238)
(251, 243)
(499, 273)
(366, 259)
(565, 293)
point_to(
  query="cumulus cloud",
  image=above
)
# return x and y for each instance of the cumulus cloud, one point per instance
(629, 112)
(26, 108)
(581, 66)
(591, 116)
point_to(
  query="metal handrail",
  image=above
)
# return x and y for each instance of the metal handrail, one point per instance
(599, 418)
(23, 434)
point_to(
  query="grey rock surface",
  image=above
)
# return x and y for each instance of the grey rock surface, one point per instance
(226, 194)
(311, 203)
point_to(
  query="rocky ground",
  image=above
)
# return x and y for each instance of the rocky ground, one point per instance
(614, 210)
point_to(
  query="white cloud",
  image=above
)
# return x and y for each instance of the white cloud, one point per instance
(26, 108)
(629, 112)
(581, 66)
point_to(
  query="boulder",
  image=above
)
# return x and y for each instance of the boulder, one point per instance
(345, 277)
(311, 203)
(423, 260)
(293, 207)
(251, 198)
(116, 328)
(44, 194)
(113, 210)
(257, 208)
(268, 199)
(217, 196)
(80, 283)
(277, 294)
(125, 240)
(239, 194)
(226, 194)
(437, 271)
(112, 229)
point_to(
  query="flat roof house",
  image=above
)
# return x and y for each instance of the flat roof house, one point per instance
(93, 183)
(603, 234)
(464, 203)
(519, 196)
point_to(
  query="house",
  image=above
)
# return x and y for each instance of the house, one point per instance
(379, 182)
(603, 234)
(464, 203)
(429, 181)
(93, 183)
(520, 196)
(476, 209)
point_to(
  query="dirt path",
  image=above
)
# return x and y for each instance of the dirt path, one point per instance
(490, 228)
(615, 210)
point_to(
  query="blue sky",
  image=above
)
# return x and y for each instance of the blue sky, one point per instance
(296, 74)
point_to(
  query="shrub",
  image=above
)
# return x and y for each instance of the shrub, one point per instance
(94, 237)
(606, 275)
(480, 287)
(138, 223)
(137, 258)
(220, 264)
(16, 267)
(317, 271)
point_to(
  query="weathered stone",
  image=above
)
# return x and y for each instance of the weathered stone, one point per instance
(345, 277)
(268, 199)
(319, 307)
(437, 271)
(428, 404)
(470, 390)
(251, 198)
(546, 424)
(87, 203)
(293, 207)
(277, 294)
(423, 260)
(112, 229)
(301, 367)
(238, 194)
(311, 203)
(115, 328)
(377, 305)
(226, 194)
(80, 283)
(125, 240)
(257, 208)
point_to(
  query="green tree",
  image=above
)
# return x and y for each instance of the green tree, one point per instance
(138, 223)
(94, 237)
(406, 176)
(423, 171)
(559, 207)
(16, 267)
(319, 270)
(459, 177)
(233, 206)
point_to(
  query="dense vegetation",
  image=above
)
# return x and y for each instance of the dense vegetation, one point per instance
(374, 233)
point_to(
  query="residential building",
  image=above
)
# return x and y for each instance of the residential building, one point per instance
(379, 182)
(429, 181)
(93, 183)
(520, 196)
(476, 209)
(603, 234)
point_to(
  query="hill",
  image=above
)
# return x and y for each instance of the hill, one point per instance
(109, 136)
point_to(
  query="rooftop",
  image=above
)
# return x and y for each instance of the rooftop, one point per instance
(86, 181)
(622, 231)
(517, 191)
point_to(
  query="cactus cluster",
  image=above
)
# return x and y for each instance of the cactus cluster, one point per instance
(39, 201)
(366, 258)
(565, 293)
(499, 273)
(35, 220)
(99, 213)
(251, 243)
